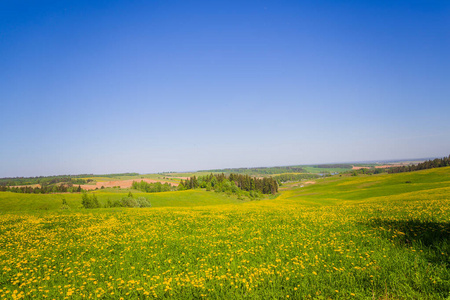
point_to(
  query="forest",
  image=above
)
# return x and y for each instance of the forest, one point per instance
(43, 189)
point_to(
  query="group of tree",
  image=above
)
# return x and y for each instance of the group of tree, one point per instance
(91, 201)
(80, 180)
(41, 181)
(220, 182)
(139, 202)
(429, 164)
(367, 171)
(155, 187)
(44, 189)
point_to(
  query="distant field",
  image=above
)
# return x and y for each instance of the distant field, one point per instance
(364, 237)
(316, 170)
(187, 174)
(158, 177)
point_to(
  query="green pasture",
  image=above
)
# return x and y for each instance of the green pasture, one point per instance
(315, 170)
(41, 202)
(381, 187)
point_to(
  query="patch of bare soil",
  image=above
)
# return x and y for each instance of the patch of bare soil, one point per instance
(309, 182)
(30, 185)
(387, 166)
(359, 168)
(376, 167)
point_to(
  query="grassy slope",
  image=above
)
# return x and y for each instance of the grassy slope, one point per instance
(403, 186)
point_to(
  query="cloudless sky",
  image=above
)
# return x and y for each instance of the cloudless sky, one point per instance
(150, 86)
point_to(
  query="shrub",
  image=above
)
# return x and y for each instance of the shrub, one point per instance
(143, 202)
(254, 195)
(64, 204)
(89, 202)
(155, 187)
(128, 202)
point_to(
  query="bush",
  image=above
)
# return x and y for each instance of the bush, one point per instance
(129, 202)
(89, 202)
(254, 195)
(64, 204)
(228, 187)
(155, 187)
(181, 187)
(115, 203)
(143, 202)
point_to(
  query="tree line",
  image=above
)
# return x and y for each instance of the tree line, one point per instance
(74, 179)
(155, 187)
(42, 180)
(429, 164)
(129, 201)
(219, 182)
(44, 189)
(365, 171)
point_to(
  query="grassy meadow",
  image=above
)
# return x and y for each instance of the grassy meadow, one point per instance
(49, 202)
(364, 237)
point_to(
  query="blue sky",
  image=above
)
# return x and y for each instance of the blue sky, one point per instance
(150, 86)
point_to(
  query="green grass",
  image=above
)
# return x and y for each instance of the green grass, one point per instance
(403, 186)
(365, 237)
(29, 202)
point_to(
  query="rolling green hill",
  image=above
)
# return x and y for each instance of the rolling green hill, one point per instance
(424, 185)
